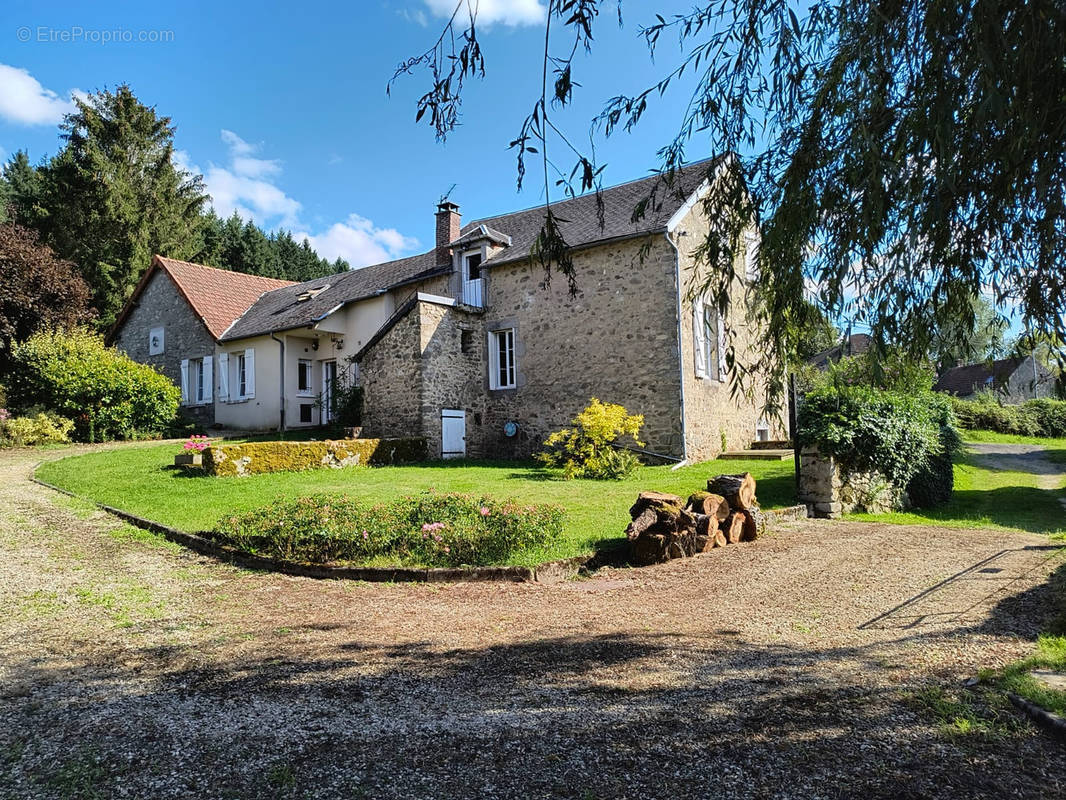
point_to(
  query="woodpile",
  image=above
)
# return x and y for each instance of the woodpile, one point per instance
(665, 527)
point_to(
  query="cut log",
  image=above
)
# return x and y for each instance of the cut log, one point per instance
(660, 529)
(733, 527)
(719, 539)
(658, 500)
(738, 490)
(754, 523)
(642, 522)
(706, 503)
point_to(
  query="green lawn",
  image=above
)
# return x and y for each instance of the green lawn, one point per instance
(988, 498)
(140, 480)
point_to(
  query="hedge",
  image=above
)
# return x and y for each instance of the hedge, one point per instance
(255, 458)
(1031, 418)
(429, 529)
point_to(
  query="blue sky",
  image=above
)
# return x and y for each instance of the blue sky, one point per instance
(282, 106)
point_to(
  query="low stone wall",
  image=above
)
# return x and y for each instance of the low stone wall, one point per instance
(256, 458)
(829, 490)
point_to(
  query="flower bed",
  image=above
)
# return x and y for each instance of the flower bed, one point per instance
(429, 529)
(255, 458)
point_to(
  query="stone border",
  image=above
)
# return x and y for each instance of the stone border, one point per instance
(1048, 720)
(548, 572)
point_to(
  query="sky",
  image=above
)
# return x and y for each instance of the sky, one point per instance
(282, 107)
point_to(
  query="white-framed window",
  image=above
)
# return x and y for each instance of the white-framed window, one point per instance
(473, 287)
(155, 341)
(762, 430)
(242, 375)
(502, 372)
(304, 383)
(708, 340)
(197, 381)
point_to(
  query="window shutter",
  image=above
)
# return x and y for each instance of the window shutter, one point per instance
(209, 375)
(721, 347)
(494, 361)
(223, 377)
(699, 343)
(249, 372)
(185, 381)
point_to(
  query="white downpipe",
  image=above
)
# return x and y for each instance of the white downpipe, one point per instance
(680, 350)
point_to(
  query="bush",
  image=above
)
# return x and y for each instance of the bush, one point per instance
(874, 430)
(429, 529)
(588, 449)
(1031, 418)
(934, 482)
(27, 431)
(107, 394)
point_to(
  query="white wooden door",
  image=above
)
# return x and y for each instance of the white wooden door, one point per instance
(472, 286)
(453, 433)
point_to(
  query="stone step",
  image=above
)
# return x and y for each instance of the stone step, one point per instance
(757, 455)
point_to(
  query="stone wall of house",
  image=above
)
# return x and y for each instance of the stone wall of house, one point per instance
(829, 490)
(453, 376)
(184, 335)
(391, 376)
(1031, 380)
(615, 340)
(715, 420)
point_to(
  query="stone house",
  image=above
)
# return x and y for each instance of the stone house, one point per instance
(1014, 380)
(174, 318)
(466, 346)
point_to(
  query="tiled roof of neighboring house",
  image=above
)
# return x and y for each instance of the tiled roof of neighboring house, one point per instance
(579, 219)
(856, 345)
(218, 296)
(283, 310)
(970, 378)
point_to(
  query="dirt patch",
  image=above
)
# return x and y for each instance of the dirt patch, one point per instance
(784, 667)
(1020, 458)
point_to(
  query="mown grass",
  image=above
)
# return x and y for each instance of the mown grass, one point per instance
(989, 498)
(142, 481)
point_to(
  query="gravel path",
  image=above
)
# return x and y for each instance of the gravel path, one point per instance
(1020, 458)
(787, 667)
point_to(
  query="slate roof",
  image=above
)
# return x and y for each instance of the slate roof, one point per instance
(281, 310)
(217, 296)
(580, 224)
(971, 378)
(857, 344)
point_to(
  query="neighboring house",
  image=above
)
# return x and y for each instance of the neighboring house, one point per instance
(465, 345)
(174, 318)
(854, 345)
(1014, 380)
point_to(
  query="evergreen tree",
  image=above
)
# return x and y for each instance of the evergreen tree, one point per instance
(114, 196)
(21, 189)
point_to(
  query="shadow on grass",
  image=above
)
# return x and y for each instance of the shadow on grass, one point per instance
(1022, 507)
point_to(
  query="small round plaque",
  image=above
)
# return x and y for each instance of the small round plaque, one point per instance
(510, 428)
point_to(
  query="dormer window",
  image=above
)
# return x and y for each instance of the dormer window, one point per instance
(308, 294)
(473, 288)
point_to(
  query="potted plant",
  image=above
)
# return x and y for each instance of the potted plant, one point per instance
(192, 454)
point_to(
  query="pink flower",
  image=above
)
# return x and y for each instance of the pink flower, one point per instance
(427, 527)
(447, 549)
(484, 511)
(366, 535)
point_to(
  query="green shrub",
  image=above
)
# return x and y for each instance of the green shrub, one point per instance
(28, 431)
(986, 412)
(934, 482)
(431, 529)
(254, 458)
(588, 449)
(107, 394)
(874, 430)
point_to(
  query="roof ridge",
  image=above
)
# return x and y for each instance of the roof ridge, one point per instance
(281, 281)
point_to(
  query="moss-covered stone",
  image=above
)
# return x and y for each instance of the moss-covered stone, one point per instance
(255, 458)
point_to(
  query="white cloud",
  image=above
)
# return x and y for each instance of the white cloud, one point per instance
(25, 101)
(246, 184)
(489, 12)
(359, 242)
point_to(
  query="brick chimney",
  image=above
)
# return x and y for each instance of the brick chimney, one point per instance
(448, 225)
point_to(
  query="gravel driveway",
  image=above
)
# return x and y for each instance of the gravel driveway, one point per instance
(787, 667)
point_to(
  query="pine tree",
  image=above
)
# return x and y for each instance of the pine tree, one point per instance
(20, 191)
(114, 196)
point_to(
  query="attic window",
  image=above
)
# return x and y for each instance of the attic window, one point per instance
(307, 294)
